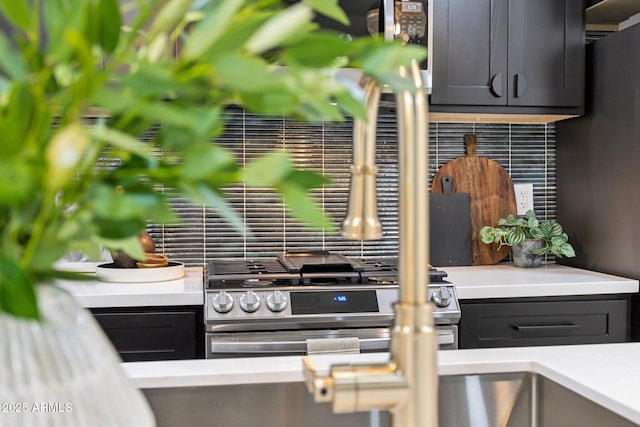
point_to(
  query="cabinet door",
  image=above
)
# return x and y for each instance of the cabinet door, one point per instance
(470, 52)
(141, 335)
(546, 53)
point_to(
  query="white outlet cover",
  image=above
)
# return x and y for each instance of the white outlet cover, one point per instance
(524, 198)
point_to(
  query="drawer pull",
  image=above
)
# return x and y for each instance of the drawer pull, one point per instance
(532, 328)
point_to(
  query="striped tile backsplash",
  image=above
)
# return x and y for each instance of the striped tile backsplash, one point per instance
(527, 152)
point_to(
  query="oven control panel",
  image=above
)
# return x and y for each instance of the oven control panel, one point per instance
(313, 304)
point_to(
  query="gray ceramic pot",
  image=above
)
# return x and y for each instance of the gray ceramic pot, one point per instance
(522, 256)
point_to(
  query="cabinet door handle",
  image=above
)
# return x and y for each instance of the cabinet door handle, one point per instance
(521, 85)
(532, 328)
(496, 85)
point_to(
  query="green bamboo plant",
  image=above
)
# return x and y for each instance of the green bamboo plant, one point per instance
(82, 80)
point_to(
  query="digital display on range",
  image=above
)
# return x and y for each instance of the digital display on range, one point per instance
(326, 302)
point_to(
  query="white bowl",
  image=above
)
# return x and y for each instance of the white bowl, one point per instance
(111, 273)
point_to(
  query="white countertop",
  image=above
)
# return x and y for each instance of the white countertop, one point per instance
(476, 282)
(507, 281)
(608, 374)
(92, 293)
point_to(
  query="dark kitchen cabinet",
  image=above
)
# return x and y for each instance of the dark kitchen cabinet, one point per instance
(506, 55)
(154, 333)
(597, 164)
(517, 322)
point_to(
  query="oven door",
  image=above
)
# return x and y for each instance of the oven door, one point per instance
(292, 343)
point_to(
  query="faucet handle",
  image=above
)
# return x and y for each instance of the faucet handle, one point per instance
(320, 387)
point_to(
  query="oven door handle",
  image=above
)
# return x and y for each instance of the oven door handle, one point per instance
(283, 347)
(445, 337)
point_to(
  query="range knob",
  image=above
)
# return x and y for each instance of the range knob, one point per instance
(277, 301)
(249, 302)
(222, 302)
(441, 297)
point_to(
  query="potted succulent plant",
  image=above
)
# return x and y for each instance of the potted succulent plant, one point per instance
(82, 81)
(529, 238)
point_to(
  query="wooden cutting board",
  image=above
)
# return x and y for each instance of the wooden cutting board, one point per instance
(491, 192)
(449, 227)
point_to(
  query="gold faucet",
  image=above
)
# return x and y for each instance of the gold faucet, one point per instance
(361, 221)
(407, 385)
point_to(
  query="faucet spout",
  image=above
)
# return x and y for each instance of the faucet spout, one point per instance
(361, 221)
(407, 385)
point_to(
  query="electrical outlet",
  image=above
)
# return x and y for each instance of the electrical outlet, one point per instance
(524, 198)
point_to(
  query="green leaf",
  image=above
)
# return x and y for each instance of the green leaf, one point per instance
(150, 80)
(271, 103)
(17, 11)
(553, 227)
(269, 169)
(559, 240)
(520, 222)
(246, 74)
(111, 99)
(136, 202)
(121, 140)
(384, 61)
(235, 35)
(515, 236)
(85, 75)
(539, 233)
(117, 229)
(11, 62)
(110, 22)
(17, 293)
(307, 179)
(567, 250)
(130, 245)
(352, 105)
(316, 50)
(49, 251)
(329, 8)
(486, 234)
(17, 123)
(509, 220)
(201, 193)
(18, 179)
(103, 24)
(61, 16)
(87, 247)
(169, 16)
(543, 250)
(207, 32)
(203, 159)
(165, 112)
(303, 207)
(278, 29)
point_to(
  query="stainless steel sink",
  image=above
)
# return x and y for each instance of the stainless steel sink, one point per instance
(487, 400)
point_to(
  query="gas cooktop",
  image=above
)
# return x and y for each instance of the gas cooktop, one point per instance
(312, 290)
(306, 269)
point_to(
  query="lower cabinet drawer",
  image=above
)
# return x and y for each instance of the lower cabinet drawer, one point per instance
(512, 324)
(147, 335)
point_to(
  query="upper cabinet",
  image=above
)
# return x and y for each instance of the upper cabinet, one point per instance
(509, 55)
(612, 15)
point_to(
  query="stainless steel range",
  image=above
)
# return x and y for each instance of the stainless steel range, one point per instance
(279, 306)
